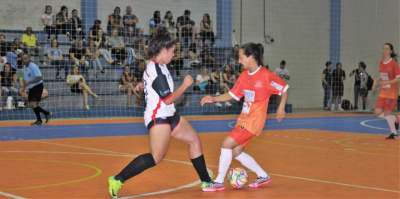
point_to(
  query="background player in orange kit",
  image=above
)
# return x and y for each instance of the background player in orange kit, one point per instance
(256, 84)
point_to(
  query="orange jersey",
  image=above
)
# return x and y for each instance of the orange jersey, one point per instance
(256, 88)
(389, 71)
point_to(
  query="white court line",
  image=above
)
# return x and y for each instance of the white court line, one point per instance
(280, 175)
(10, 195)
(364, 123)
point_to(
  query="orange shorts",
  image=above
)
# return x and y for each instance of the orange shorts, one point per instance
(386, 104)
(241, 135)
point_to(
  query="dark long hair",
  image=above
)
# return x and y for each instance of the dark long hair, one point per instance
(161, 40)
(255, 50)
(393, 54)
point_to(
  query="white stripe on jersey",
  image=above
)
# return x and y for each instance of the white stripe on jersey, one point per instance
(151, 96)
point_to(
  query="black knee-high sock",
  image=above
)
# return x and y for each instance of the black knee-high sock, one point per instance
(200, 165)
(138, 165)
(36, 110)
(42, 110)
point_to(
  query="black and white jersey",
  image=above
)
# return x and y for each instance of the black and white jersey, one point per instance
(158, 85)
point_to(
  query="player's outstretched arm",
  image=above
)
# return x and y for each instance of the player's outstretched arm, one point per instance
(212, 99)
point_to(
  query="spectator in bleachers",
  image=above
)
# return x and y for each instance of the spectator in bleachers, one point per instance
(117, 47)
(169, 23)
(338, 76)
(93, 54)
(193, 56)
(47, 21)
(8, 82)
(56, 58)
(202, 80)
(30, 41)
(217, 83)
(61, 21)
(19, 45)
(229, 79)
(177, 61)
(115, 21)
(3, 50)
(127, 83)
(94, 30)
(78, 85)
(102, 44)
(75, 25)
(185, 26)
(77, 55)
(154, 22)
(282, 71)
(206, 30)
(207, 58)
(129, 21)
(12, 56)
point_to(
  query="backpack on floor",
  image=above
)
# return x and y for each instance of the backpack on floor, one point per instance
(346, 105)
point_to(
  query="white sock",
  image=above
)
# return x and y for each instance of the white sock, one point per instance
(225, 160)
(391, 119)
(249, 162)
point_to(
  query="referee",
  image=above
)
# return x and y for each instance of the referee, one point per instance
(33, 81)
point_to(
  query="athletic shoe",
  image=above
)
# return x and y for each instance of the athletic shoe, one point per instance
(37, 123)
(392, 136)
(260, 181)
(212, 186)
(114, 186)
(48, 117)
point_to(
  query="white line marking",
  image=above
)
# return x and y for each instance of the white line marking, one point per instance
(10, 195)
(364, 123)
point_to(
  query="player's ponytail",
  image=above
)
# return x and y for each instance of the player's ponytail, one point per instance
(160, 40)
(255, 50)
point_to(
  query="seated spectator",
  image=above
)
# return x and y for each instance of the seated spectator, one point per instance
(282, 71)
(8, 83)
(117, 47)
(193, 57)
(129, 21)
(77, 55)
(61, 21)
(169, 23)
(154, 22)
(75, 25)
(78, 85)
(12, 56)
(206, 30)
(94, 30)
(93, 54)
(30, 41)
(177, 61)
(4, 45)
(115, 21)
(185, 26)
(202, 80)
(56, 58)
(207, 58)
(127, 83)
(47, 22)
(216, 84)
(102, 44)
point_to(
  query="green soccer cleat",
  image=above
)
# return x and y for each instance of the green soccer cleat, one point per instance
(114, 186)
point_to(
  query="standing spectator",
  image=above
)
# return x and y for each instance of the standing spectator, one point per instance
(282, 71)
(56, 58)
(93, 54)
(75, 25)
(357, 81)
(33, 82)
(78, 85)
(364, 78)
(61, 21)
(115, 21)
(185, 27)
(206, 29)
(130, 20)
(169, 23)
(154, 22)
(338, 76)
(47, 21)
(77, 55)
(8, 82)
(117, 47)
(30, 41)
(327, 85)
(127, 83)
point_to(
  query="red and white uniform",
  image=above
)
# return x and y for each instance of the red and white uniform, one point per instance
(387, 99)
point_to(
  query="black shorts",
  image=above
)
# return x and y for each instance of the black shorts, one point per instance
(35, 93)
(75, 88)
(173, 121)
